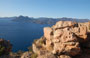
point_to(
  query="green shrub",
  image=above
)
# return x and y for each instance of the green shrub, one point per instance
(41, 42)
(20, 52)
(89, 27)
(34, 55)
(35, 41)
(30, 49)
(2, 49)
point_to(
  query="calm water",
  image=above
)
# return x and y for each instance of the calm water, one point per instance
(21, 35)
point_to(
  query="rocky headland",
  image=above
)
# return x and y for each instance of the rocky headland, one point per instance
(65, 39)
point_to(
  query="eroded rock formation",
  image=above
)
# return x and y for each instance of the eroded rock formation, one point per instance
(65, 39)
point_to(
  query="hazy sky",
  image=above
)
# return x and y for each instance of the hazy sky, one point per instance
(45, 8)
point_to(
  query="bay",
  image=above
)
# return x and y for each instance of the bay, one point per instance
(21, 35)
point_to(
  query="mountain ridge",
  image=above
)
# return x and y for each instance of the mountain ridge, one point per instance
(43, 20)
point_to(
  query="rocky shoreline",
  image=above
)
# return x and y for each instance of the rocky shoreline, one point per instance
(65, 39)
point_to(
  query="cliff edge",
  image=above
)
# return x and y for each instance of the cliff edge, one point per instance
(65, 39)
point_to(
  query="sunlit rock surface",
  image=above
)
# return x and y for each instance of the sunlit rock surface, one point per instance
(66, 38)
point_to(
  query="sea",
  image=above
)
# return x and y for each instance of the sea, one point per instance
(21, 35)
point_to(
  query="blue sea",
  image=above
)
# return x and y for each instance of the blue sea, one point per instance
(21, 35)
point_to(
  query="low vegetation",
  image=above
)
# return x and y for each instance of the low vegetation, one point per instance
(30, 49)
(2, 48)
(34, 55)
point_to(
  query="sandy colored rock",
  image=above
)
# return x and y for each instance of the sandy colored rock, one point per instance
(66, 38)
(47, 33)
(26, 55)
(46, 55)
(63, 24)
(64, 56)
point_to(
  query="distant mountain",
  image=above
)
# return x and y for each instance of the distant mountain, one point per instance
(44, 20)
(7, 17)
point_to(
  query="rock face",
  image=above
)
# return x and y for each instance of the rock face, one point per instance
(64, 38)
(46, 55)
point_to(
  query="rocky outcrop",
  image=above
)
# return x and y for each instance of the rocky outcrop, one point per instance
(5, 47)
(26, 55)
(65, 39)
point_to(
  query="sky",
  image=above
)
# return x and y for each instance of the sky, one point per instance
(46, 8)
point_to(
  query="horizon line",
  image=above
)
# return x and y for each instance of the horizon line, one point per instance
(41, 17)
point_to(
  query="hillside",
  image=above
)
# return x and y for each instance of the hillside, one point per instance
(43, 20)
